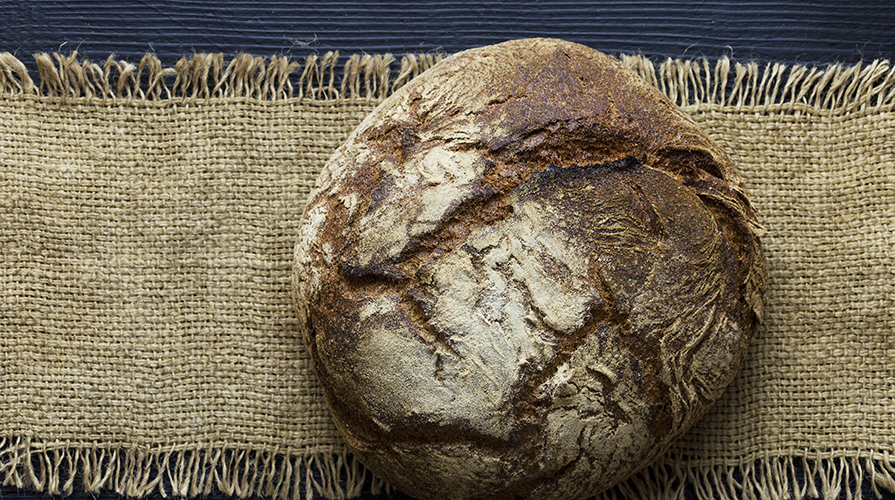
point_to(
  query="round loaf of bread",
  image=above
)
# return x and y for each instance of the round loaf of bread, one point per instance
(524, 275)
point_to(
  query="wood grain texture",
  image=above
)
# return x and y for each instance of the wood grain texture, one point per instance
(767, 30)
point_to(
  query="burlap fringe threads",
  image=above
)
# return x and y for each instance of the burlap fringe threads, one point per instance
(168, 472)
(822, 475)
(208, 76)
(774, 87)
(54, 467)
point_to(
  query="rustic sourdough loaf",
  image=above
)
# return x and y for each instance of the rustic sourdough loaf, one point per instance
(524, 275)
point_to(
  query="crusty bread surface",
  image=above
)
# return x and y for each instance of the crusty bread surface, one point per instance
(524, 275)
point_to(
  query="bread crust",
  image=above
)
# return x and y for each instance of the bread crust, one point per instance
(524, 275)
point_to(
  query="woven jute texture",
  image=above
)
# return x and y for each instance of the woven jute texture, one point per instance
(147, 221)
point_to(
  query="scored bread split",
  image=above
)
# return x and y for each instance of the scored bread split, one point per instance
(524, 275)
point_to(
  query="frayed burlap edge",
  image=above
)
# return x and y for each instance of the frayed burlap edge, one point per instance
(210, 76)
(696, 85)
(334, 473)
(180, 471)
(829, 475)
(773, 87)
(726, 86)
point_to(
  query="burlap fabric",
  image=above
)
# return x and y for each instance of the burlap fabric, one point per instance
(147, 220)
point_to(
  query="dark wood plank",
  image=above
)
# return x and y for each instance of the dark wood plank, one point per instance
(823, 31)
